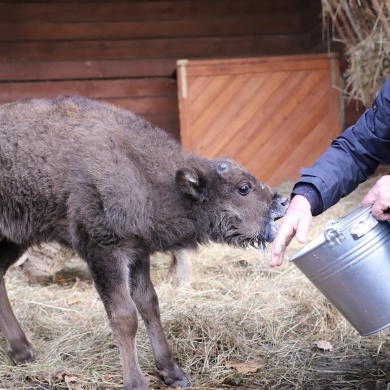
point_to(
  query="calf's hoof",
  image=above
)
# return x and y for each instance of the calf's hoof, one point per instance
(130, 387)
(21, 354)
(176, 378)
(184, 382)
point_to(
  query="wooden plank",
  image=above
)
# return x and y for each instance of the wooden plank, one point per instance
(302, 112)
(289, 169)
(23, 71)
(205, 145)
(260, 128)
(148, 105)
(257, 65)
(148, 48)
(257, 60)
(92, 88)
(86, 11)
(232, 120)
(244, 25)
(198, 85)
(299, 153)
(214, 97)
(266, 67)
(228, 108)
(261, 117)
(278, 148)
(256, 113)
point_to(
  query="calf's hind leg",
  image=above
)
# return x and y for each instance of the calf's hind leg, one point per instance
(123, 290)
(18, 346)
(110, 273)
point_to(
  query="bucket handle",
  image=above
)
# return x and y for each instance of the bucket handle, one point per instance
(333, 236)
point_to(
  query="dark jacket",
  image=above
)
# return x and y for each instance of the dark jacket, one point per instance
(351, 158)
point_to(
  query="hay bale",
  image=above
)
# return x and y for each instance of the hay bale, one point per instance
(364, 28)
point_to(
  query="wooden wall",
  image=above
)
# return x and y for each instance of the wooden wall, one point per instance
(125, 52)
(298, 118)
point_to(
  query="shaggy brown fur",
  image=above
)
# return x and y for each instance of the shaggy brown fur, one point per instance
(116, 189)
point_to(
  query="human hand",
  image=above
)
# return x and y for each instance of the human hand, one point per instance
(379, 198)
(296, 222)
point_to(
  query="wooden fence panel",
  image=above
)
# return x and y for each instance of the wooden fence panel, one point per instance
(274, 114)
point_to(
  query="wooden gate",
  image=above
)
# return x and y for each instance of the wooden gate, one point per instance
(273, 115)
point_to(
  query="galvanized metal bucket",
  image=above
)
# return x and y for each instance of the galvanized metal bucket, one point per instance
(350, 265)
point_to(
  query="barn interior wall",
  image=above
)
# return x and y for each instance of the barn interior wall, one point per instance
(125, 52)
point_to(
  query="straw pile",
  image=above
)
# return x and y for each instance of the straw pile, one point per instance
(363, 26)
(241, 325)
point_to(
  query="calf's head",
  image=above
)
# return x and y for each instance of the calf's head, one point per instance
(240, 209)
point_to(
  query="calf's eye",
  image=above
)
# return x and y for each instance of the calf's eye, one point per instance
(244, 189)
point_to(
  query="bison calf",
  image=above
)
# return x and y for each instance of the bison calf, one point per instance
(116, 189)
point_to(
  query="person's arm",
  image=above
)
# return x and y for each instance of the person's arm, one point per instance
(354, 155)
(351, 158)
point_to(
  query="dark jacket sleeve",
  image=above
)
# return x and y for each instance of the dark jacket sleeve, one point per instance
(354, 155)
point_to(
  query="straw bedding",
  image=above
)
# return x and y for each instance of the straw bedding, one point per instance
(363, 27)
(240, 325)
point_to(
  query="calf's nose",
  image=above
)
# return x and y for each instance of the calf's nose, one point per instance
(280, 206)
(283, 201)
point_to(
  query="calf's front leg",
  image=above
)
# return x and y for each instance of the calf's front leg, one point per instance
(145, 297)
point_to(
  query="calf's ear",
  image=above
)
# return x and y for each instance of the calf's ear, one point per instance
(192, 182)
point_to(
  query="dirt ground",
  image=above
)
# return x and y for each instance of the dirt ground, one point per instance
(241, 325)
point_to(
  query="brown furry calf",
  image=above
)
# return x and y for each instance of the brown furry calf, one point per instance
(116, 189)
